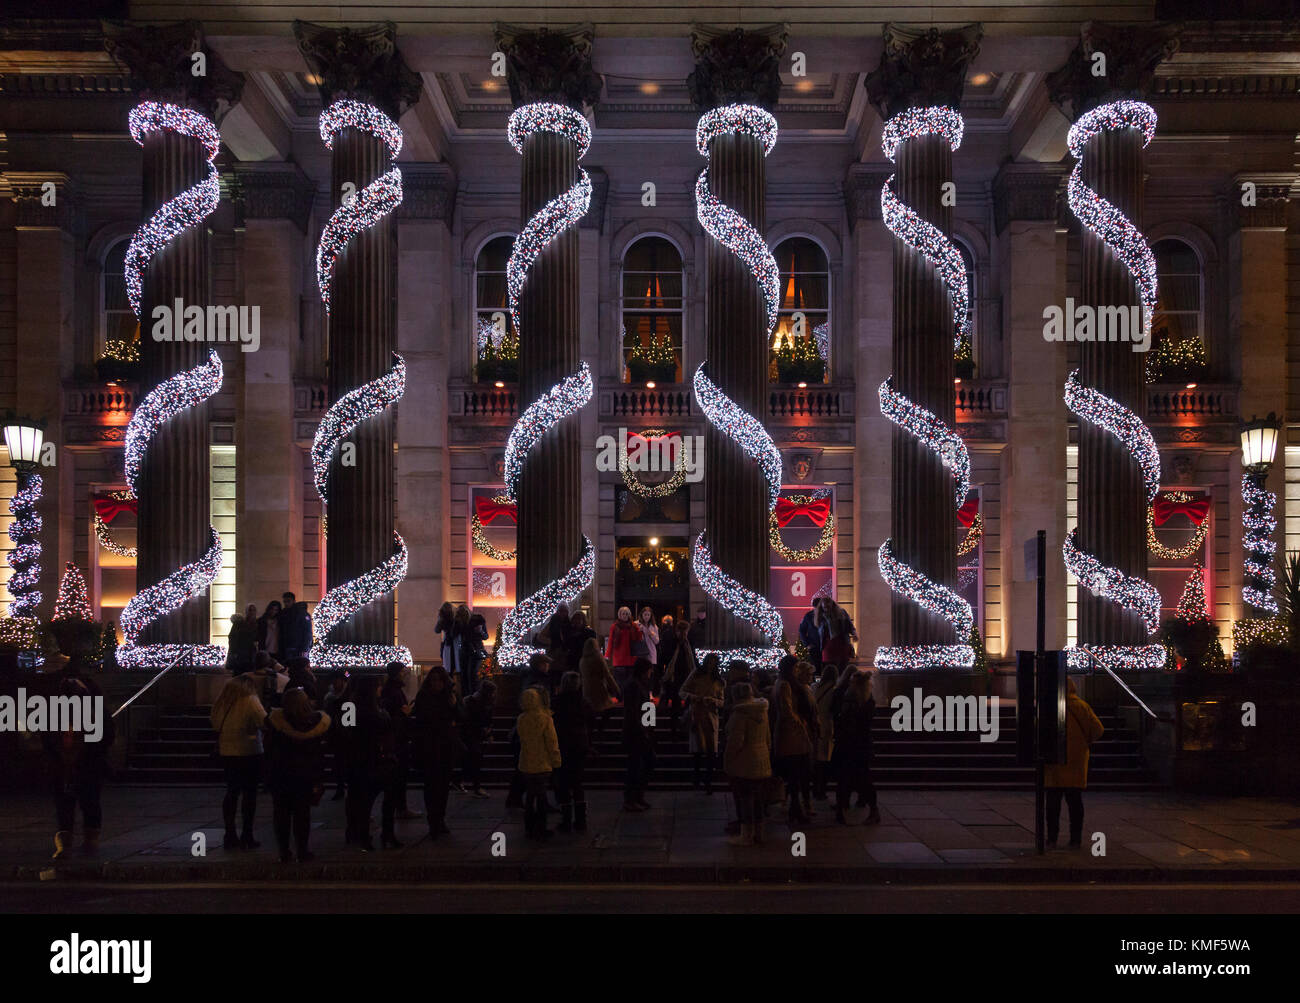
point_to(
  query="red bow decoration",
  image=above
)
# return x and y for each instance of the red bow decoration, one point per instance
(818, 510)
(487, 510)
(109, 508)
(1164, 509)
(966, 514)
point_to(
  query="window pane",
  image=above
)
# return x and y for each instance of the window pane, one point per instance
(1175, 256)
(799, 254)
(651, 290)
(495, 254)
(652, 254)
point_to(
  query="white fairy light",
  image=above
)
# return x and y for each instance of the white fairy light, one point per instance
(184, 211)
(933, 598)
(354, 407)
(169, 398)
(741, 427)
(532, 613)
(343, 601)
(1257, 540)
(25, 557)
(165, 597)
(741, 603)
(933, 434)
(565, 398)
(368, 206)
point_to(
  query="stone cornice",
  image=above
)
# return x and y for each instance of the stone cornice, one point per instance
(920, 67)
(862, 187)
(1027, 192)
(735, 66)
(27, 189)
(1272, 192)
(428, 192)
(1131, 54)
(158, 60)
(269, 190)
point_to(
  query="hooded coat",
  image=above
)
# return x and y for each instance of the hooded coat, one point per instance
(598, 684)
(539, 747)
(1081, 729)
(295, 755)
(749, 753)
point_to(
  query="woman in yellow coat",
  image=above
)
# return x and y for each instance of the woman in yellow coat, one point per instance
(539, 754)
(1069, 779)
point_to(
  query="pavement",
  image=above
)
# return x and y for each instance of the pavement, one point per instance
(939, 837)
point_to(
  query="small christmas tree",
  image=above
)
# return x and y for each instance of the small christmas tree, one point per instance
(489, 666)
(72, 603)
(1191, 633)
(1192, 607)
(981, 656)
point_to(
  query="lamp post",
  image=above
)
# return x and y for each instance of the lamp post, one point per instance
(23, 438)
(1258, 447)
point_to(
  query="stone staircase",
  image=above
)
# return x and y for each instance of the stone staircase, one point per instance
(179, 751)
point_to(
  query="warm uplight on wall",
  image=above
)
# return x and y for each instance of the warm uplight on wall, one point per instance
(980, 79)
(1191, 386)
(650, 384)
(654, 541)
(499, 384)
(956, 381)
(803, 386)
(649, 87)
(491, 85)
(804, 86)
(314, 79)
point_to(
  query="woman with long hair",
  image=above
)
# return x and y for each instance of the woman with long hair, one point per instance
(840, 635)
(237, 717)
(623, 634)
(649, 633)
(295, 740)
(598, 683)
(704, 692)
(791, 743)
(437, 713)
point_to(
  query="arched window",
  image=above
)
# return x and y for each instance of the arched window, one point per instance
(1178, 326)
(965, 352)
(801, 344)
(119, 354)
(652, 312)
(496, 344)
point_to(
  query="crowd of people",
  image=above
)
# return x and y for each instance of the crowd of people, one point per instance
(793, 736)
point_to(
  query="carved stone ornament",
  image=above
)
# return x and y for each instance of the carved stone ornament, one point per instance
(550, 64)
(1129, 55)
(159, 61)
(736, 66)
(362, 64)
(920, 67)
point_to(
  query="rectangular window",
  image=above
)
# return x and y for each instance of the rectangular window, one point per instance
(492, 530)
(1291, 501)
(223, 598)
(803, 565)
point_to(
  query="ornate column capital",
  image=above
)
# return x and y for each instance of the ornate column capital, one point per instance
(550, 64)
(30, 194)
(862, 186)
(1027, 192)
(269, 190)
(920, 67)
(158, 60)
(429, 192)
(361, 64)
(736, 66)
(1269, 199)
(1131, 54)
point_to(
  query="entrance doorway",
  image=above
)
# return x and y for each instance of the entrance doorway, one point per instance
(653, 571)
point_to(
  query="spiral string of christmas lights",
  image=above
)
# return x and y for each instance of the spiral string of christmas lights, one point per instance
(907, 225)
(1257, 540)
(565, 398)
(1129, 591)
(1124, 239)
(972, 538)
(1111, 226)
(939, 250)
(177, 393)
(360, 212)
(730, 229)
(182, 212)
(25, 557)
(363, 209)
(342, 601)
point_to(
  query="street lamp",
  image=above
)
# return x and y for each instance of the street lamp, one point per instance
(1258, 448)
(23, 438)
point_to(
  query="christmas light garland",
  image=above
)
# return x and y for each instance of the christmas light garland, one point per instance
(347, 413)
(1174, 553)
(904, 222)
(165, 597)
(743, 604)
(184, 390)
(532, 613)
(739, 236)
(933, 598)
(1119, 234)
(817, 549)
(103, 534)
(25, 557)
(663, 488)
(368, 206)
(481, 542)
(566, 397)
(1257, 540)
(184, 211)
(933, 433)
(71, 602)
(972, 538)
(1110, 225)
(342, 601)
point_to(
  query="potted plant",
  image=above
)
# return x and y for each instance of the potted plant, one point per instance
(656, 361)
(799, 361)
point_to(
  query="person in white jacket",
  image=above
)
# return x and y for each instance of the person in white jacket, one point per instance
(237, 717)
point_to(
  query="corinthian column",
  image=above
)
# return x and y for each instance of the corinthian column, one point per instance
(172, 482)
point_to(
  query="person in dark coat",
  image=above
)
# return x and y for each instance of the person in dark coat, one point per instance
(697, 631)
(541, 673)
(853, 708)
(437, 716)
(676, 662)
(574, 720)
(241, 644)
(638, 741)
(577, 640)
(295, 627)
(557, 631)
(77, 770)
(336, 741)
(393, 699)
(475, 653)
(372, 766)
(302, 677)
(295, 752)
(810, 633)
(269, 637)
(476, 731)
